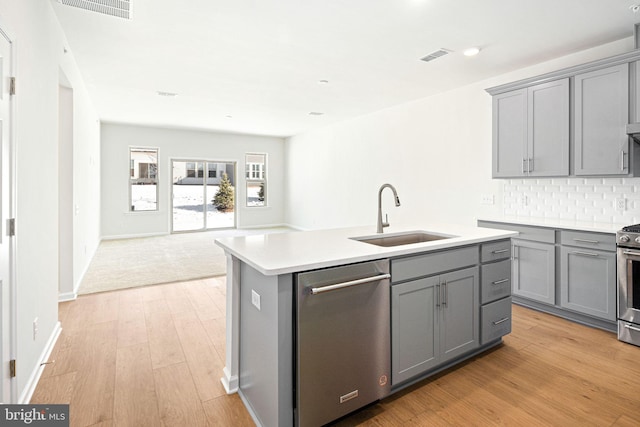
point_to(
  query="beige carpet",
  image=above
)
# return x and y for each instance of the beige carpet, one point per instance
(128, 263)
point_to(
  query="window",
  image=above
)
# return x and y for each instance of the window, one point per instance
(143, 179)
(212, 170)
(256, 174)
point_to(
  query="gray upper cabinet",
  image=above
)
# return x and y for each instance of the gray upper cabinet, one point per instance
(509, 133)
(531, 131)
(601, 100)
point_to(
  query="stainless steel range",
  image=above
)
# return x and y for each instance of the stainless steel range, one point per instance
(628, 258)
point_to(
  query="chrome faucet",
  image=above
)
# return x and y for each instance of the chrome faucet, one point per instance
(381, 224)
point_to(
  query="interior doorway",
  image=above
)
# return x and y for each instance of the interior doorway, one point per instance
(195, 184)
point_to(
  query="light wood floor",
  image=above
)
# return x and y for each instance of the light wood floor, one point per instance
(153, 356)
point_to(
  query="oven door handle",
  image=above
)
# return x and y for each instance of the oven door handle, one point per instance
(632, 328)
(630, 253)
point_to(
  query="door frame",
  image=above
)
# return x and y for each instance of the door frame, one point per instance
(11, 339)
(235, 199)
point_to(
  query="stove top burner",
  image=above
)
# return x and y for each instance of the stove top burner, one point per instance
(632, 228)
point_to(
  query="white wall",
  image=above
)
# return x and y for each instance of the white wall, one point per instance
(436, 151)
(40, 56)
(117, 221)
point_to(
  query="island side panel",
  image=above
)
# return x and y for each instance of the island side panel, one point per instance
(266, 346)
(232, 354)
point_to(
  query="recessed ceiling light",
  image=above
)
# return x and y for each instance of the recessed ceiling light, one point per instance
(229, 116)
(323, 82)
(472, 51)
(167, 94)
(315, 113)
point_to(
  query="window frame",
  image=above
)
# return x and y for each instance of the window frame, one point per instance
(256, 173)
(135, 167)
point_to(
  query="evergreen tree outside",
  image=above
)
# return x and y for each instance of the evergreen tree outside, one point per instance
(261, 192)
(223, 200)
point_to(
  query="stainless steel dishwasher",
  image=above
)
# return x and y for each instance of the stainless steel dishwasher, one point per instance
(342, 345)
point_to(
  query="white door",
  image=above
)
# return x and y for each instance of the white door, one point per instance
(6, 242)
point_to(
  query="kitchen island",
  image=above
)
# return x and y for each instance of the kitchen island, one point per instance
(261, 276)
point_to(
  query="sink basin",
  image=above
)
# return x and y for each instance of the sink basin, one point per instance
(399, 239)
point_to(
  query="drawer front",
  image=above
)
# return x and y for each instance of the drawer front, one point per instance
(537, 234)
(428, 264)
(496, 320)
(496, 281)
(495, 251)
(602, 241)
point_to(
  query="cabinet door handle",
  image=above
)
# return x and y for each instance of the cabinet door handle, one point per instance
(622, 154)
(444, 294)
(514, 253)
(529, 165)
(438, 295)
(497, 322)
(498, 282)
(501, 251)
(589, 254)
(594, 242)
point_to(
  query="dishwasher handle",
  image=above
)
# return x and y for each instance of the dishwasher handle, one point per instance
(316, 291)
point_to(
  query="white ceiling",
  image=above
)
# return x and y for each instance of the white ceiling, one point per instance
(253, 66)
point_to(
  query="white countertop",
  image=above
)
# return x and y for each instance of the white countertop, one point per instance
(282, 253)
(565, 224)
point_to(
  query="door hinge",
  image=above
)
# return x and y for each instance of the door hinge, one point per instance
(12, 86)
(11, 227)
(12, 368)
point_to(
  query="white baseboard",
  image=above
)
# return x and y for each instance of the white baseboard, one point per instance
(133, 236)
(30, 387)
(68, 296)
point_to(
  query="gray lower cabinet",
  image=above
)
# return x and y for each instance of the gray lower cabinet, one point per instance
(601, 114)
(496, 320)
(433, 319)
(569, 273)
(588, 281)
(533, 274)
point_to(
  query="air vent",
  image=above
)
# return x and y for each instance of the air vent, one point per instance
(119, 8)
(435, 55)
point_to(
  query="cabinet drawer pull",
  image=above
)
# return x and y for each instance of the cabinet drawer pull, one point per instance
(585, 254)
(498, 282)
(593, 242)
(497, 322)
(622, 154)
(501, 251)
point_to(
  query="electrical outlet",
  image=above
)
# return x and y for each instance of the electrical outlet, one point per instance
(255, 299)
(621, 204)
(487, 199)
(35, 328)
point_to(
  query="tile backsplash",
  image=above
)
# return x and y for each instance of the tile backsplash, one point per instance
(580, 199)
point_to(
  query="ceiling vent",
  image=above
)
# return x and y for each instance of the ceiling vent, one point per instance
(435, 55)
(119, 8)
